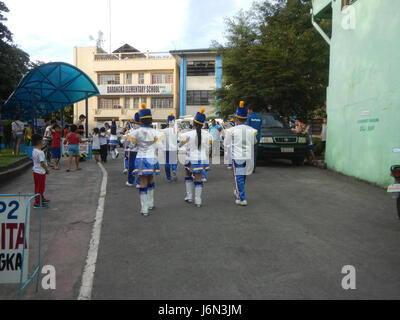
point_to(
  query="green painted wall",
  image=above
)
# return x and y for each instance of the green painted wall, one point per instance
(363, 98)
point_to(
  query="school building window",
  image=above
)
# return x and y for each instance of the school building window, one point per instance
(144, 100)
(160, 78)
(135, 103)
(109, 103)
(108, 79)
(161, 102)
(198, 97)
(141, 78)
(128, 79)
(127, 103)
(201, 68)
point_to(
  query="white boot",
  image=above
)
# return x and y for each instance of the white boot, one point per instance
(150, 199)
(189, 191)
(197, 195)
(144, 204)
(113, 154)
(116, 153)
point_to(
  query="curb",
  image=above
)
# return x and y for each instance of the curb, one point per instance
(15, 169)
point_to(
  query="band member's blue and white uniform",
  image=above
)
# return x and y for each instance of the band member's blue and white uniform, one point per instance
(170, 148)
(114, 140)
(126, 144)
(147, 141)
(132, 153)
(241, 139)
(197, 143)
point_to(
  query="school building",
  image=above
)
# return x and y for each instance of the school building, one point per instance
(180, 82)
(363, 94)
(126, 79)
(200, 74)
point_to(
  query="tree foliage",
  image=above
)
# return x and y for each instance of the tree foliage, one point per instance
(274, 60)
(14, 62)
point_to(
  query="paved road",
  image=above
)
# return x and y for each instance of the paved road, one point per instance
(301, 227)
(67, 226)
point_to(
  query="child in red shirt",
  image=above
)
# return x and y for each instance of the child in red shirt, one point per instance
(56, 146)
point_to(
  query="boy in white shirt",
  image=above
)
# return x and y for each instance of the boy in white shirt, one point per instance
(39, 171)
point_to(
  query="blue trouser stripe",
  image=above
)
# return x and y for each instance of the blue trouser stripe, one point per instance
(131, 166)
(168, 165)
(240, 179)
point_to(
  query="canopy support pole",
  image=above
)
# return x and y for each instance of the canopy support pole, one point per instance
(62, 122)
(87, 111)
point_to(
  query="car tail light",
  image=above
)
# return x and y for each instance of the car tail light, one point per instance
(396, 172)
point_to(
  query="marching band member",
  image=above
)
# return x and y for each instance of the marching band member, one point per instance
(146, 165)
(198, 144)
(170, 148)
(241, 139)
(126, 144)
(114, 140)
(132, 154)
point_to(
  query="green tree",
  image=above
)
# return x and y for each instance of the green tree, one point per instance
(274, 60)
(14, 62)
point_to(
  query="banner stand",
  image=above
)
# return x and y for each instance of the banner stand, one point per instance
(36, 271)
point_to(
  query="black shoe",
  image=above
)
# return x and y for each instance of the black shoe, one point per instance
(37, 206)
(46, 201)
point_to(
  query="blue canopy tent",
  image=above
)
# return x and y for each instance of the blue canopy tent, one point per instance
(48, 88)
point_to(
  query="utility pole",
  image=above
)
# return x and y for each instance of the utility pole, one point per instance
(109, 6)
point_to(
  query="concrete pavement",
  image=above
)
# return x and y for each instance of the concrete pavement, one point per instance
(67, 226)
(301, 227)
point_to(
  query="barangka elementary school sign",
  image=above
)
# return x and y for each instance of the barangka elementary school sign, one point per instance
(152, 89)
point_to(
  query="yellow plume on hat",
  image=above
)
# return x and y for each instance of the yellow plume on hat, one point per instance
(131, 119)
(203, 110)
(143, 106)
(171, 114)
(241, 104)
(113, 119)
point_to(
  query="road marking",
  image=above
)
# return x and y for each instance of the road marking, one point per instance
(85, 292)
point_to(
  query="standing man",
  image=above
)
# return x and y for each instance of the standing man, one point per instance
(241, 139)
(255, 121)
(170, 148)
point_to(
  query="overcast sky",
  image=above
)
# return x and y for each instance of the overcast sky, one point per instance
(49, 29)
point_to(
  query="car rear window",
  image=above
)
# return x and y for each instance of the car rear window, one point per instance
(273, 121)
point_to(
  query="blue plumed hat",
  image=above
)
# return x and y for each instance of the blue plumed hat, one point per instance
(137, 118)
(200, 117)
(241, 111)
(170, 118)
(144, 112)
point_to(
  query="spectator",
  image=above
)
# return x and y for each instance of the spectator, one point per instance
(73, 139)
(56, 146)
(308, 131)
(254, 121)
(206, 126)
(39, 171)
(47, 138)
(66, 130)
(28, 134)
(17, 128)
(215, 130)
(96, 144)
(103, 144)
(323, 136)
(80, 124)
